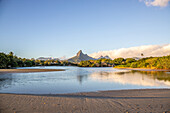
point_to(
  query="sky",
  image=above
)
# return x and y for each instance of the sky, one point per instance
(57, 28)
(146, 50)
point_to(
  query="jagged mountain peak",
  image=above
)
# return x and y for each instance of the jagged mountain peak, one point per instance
(80, 57)
(79, 53)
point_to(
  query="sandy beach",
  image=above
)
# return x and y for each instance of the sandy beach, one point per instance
(27, 70)
(118, 101)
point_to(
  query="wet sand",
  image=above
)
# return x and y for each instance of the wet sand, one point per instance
(142, 69)
(27, 70)
(118, 101)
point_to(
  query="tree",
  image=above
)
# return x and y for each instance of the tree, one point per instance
(3, 60)
(130, 60)
(118, 61)
(11, 54)
(12, 60)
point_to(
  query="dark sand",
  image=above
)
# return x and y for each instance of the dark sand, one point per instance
(27, 70)
(118, 101)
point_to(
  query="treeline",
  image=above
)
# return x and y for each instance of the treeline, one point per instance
(10, 60)
(54, 63)
(105, 62)
(149, 62)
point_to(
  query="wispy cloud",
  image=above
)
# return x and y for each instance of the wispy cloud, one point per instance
(160, 3)
(147, 50)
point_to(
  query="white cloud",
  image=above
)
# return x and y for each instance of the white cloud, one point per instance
(147, 50)
(160, 3)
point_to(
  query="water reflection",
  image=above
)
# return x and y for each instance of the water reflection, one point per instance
(157, 75)
(76, 79)
(142, 78)
(5, 80)
(82, 78)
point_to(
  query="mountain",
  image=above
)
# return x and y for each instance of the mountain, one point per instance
(105, 57)
(137, 58)
(80, 57)
(47, 58)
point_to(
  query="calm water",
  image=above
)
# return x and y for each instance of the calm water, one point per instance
(77, 79)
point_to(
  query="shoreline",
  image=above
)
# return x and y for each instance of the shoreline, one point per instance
(28, 70)
(112, 101)
(80, 93)
(142, 69)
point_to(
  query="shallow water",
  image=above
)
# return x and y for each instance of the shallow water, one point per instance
(79, 79)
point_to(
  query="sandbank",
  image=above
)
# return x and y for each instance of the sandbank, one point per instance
(27, 70)
(118, 101)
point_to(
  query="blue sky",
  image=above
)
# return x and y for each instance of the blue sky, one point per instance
(56, 28)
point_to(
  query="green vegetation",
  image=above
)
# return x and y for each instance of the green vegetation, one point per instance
(3, 60)
(102, 62)
(10, 60)
(150, 62)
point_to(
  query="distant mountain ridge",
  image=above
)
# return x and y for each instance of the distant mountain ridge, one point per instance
(104, 57)
(47, 58)
(80, 57)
